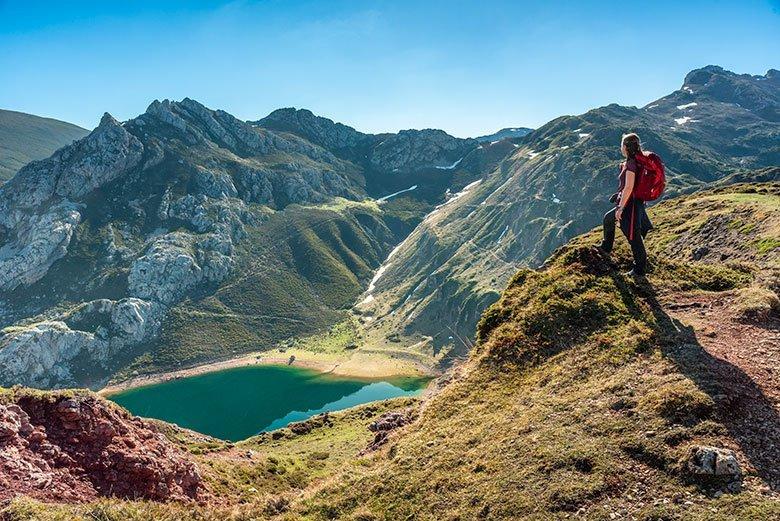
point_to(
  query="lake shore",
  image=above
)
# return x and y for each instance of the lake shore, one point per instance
(356, 364)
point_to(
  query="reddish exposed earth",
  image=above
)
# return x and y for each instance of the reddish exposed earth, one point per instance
(76, 447)
(739, 358)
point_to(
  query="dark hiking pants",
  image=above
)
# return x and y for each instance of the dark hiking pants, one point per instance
(634, 224)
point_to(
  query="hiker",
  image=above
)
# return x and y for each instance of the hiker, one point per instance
(630, 210)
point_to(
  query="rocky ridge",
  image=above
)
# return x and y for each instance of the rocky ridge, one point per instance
(179, 179)
(78, 447)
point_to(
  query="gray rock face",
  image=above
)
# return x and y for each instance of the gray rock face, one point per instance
(37, 206)
(72, 172)
(38, 241)
(316, 129)
(138, 215)
(167, 271)
(42, 355)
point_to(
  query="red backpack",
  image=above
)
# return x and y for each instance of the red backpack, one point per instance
(651, 181)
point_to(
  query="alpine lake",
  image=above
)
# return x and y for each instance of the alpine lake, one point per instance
(234, 404)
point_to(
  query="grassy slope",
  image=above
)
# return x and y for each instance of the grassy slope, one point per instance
(582, 396)
(24, 138)
(297, 274)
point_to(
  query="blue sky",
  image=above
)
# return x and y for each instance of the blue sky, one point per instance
(469, 67)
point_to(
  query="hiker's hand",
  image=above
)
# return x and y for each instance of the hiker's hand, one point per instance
(619, 213)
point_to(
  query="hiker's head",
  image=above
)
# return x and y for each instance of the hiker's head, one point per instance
(630, 145)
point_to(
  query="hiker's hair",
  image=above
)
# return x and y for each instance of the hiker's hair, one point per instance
(632, 144)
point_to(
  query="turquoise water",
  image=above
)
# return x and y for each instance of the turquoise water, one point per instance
(237, 403)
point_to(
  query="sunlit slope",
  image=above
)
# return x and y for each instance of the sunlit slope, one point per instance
(585, 396)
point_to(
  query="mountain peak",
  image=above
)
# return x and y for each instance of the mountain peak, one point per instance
(107, 120)
(317, 129)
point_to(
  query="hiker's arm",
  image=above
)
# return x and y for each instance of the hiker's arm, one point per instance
(626, 193)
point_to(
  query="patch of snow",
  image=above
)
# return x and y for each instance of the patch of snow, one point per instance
(494, 142)
(500, 237)
(453, 165)
(564, 147)
(383, 268)
(381, 271)
(686, 106)
(452, 199)
(688, 90)
(555, 199)
(651, 106)
(683, 120)
(479, 147)
(583, 134)
(533, 154)
(576, 130)
(515, 145)
(385, 198)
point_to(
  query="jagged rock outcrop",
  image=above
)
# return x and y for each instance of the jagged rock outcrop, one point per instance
(383, 426)
(78, 448)
(408, 150)
(713, 461)
(38, 240)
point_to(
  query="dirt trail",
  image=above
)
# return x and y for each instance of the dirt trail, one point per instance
(739, 361)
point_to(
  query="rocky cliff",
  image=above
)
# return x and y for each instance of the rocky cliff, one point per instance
(105, 236)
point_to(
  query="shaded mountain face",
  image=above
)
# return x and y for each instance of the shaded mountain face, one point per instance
(505, 133)
(555, 185)
(25, 138)
(426, 158)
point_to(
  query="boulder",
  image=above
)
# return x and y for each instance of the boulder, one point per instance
(713, 461)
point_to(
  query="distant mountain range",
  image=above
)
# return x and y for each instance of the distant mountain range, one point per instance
(186, 235)
(25, 138)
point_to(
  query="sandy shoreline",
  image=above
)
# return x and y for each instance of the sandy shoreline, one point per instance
(357, 364)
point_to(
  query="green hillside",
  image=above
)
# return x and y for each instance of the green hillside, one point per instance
(586, 396)
(25, 138)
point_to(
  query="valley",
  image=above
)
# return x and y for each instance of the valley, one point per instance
(287, 318)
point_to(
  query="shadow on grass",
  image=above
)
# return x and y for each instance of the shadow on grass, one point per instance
(741, 405)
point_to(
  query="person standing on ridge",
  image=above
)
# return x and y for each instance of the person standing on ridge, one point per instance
(630, 209)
